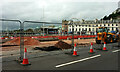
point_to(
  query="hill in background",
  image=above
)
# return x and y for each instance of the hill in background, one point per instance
(114, 15)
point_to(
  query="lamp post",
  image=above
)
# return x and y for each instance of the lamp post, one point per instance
(43, 4)
(72, 40)
(37, 30)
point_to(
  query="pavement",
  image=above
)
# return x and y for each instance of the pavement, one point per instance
(63, 60)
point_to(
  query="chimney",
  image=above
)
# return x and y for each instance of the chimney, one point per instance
(83, 20)
(96, 20)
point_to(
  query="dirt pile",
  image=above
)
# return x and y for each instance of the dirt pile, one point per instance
(27, 41)
(63, 45)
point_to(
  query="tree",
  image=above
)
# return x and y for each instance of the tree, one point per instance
(105, 18)
(29, 30)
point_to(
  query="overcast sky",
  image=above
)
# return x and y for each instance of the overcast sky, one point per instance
(56, 10)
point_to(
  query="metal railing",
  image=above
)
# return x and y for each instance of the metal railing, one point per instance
(21, 35)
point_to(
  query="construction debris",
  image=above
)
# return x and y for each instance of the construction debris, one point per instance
(27, 41)
(63, 45)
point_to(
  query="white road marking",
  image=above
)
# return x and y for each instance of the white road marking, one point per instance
(77, 61)
(116, 50)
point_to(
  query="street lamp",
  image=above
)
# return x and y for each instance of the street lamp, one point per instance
(72, 40)
(37, 29)
(43, 4)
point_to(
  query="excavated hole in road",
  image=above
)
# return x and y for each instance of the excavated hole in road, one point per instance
(58, 46)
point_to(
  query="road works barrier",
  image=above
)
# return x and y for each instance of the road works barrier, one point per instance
(75, 51)
(91, 48)
(104, 47)
(25, 59)
(20, 34)
(59, 37)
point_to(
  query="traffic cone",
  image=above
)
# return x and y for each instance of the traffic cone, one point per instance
(75, 51)
(25, 59)
(104, 48)
(91, 48)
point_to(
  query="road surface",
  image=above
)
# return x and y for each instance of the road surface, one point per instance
(100, 60)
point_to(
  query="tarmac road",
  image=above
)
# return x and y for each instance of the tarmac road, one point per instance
(100, 60)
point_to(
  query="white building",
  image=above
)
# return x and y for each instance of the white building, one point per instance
(91, 26)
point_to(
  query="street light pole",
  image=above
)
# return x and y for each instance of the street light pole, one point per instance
(43, 19)
(72, 37)
(72, 40)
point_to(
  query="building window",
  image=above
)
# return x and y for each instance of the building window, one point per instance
(112, 28)
(108, 24)
(86, 25)
(104, 25)
(96, 29)
(96, 25)
(116, 29)
(100, 25)
(112, 24)
(65, 24)
(79, 25)
(82, 29)
(76, 25)
(89, 29)
(89, 26)
(93, 29)
(116, 24)
(79, 29)
(76, 29)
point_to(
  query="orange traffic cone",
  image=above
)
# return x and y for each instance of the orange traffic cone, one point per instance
(91, 48)
(104, 48)
(25, 59)
(75, 51)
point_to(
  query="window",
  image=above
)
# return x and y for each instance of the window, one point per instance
(108, 24)
(116, 24)
(65, 28)
(89, 29)
(79, 25)
(116, 29)
(79, 29)
(82, 29)
(104, 25)
(112, 28)
(97, 25)
(89, 26)
(76, 29)
(112, 24)
(100, 25)
(93, 29)
(96, 29)
(65, 24)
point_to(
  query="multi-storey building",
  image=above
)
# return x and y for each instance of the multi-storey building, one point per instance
(89, 27)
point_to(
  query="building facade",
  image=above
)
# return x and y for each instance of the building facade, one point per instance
(65, 26)
(89, 27)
